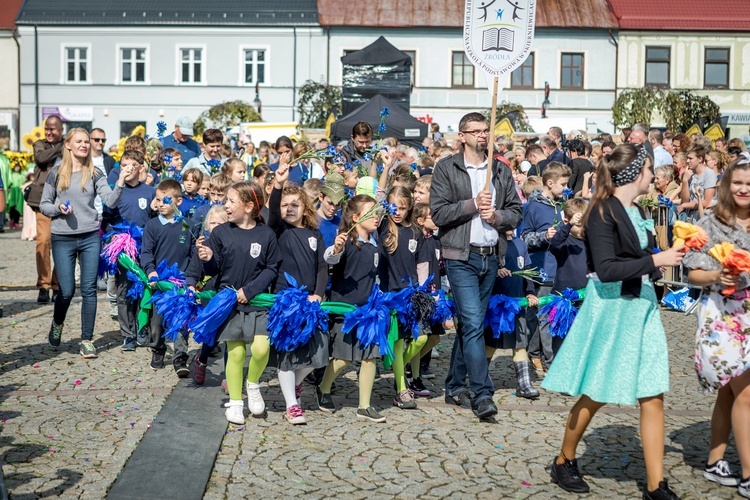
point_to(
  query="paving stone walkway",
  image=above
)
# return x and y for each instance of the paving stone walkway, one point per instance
(70, 425)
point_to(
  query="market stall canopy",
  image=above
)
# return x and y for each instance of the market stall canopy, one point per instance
(399, 124)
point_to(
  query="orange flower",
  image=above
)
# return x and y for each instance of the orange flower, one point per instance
(734, 260)
(690, 235)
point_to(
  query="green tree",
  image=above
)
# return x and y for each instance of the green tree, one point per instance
(316, 102)
(517, 115)
(680, 108)
(226, 115)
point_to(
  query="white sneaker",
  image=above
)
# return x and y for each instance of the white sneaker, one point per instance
(254, 399)
(235, 412)
(435, 354)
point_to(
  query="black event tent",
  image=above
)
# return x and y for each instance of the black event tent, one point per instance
(379, 68)
(399, 124)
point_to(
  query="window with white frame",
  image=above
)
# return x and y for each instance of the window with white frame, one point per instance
(191, 65)
(133, 64)
(254, 66)
(76, 64)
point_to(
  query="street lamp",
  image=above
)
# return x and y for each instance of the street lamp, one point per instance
(257, 102)
(545, 103)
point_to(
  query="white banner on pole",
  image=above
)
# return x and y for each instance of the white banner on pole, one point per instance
(498, 35)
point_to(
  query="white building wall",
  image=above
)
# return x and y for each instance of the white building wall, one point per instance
(9, 95)
(162, 97)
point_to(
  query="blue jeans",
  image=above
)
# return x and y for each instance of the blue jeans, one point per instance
(86, 248)
(471, 283)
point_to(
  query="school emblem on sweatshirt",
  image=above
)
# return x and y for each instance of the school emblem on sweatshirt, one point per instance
(255, 250)
(412, 246)
(313, 242)
(142, 203)
(437, 253)
(376, 259)
(520, 262)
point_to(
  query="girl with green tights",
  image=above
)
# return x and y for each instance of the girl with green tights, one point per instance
(244, 254)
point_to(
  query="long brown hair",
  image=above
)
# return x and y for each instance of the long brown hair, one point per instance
(609, 166)
(355, 206)
(309, 217)
(250, 192)
(390, 237)
(726, 208)
(65, 169)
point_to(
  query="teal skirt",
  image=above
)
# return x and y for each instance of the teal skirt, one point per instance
(616, 350)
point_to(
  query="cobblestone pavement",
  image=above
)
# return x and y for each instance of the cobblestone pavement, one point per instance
(69, 425)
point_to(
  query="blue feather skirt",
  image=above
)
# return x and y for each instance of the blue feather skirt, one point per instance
(346, 346)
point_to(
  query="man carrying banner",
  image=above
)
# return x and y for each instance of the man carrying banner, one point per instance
(471, 216)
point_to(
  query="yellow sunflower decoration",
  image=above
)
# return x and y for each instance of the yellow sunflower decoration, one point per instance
(28, 140)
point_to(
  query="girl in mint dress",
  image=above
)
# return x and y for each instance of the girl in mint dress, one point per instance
(616, 350)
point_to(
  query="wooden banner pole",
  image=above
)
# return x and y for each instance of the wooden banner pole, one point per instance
(491, 138)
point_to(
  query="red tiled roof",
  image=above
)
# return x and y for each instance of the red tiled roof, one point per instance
(8, 14)
(449, 13)
(694, 15)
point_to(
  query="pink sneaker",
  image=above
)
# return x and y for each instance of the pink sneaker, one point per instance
(295, 415)
(298, 394)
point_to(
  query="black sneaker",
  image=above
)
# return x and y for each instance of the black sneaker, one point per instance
(141, 339)
(462, 399)
(567, 476)
(157, 360)
(180, 368)
(325, 401)
(55, 333)
(128, 344)
(485, 409)
(43, 297)
(417, 387)
(370, 414)
(719, 472)
(661, 493)
(55, 293)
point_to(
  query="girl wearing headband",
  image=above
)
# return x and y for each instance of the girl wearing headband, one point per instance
(616, 351)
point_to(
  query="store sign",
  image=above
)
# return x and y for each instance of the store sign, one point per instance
(69, 114)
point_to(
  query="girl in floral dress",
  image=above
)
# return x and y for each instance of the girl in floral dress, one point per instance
(722, 350)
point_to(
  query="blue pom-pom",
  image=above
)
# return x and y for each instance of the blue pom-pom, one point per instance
(293, 319)
(135, 292)
(560, 312)
(501, 315)
(371, 321)
(177, 308)
(213, 315)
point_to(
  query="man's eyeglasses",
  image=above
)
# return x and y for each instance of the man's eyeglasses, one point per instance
(96, 139)
(476, 132)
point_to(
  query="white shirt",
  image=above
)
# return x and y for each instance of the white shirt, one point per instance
(661, 157)
(482, 234)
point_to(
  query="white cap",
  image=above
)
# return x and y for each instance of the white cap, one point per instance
(525, 166)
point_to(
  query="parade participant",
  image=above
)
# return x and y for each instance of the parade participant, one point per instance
(354, 257)
(68, 200)
(721, 351)
(516, 259)
(626, 363)
(212, 142)
(225, 254)
(696, 175)
(218, 186)
(329, 207)
(469, 218)
(541, 216)
(402, 260)
(47, 154)
(235, 169)
(166, 238)
(293, 219)
(134, 207)
(182, 141)
(358, 144)
(192, 179)
(215, 216)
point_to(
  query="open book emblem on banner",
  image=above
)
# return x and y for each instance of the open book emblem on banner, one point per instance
(498, 34)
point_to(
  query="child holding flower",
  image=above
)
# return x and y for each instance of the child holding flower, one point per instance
(722, 351)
